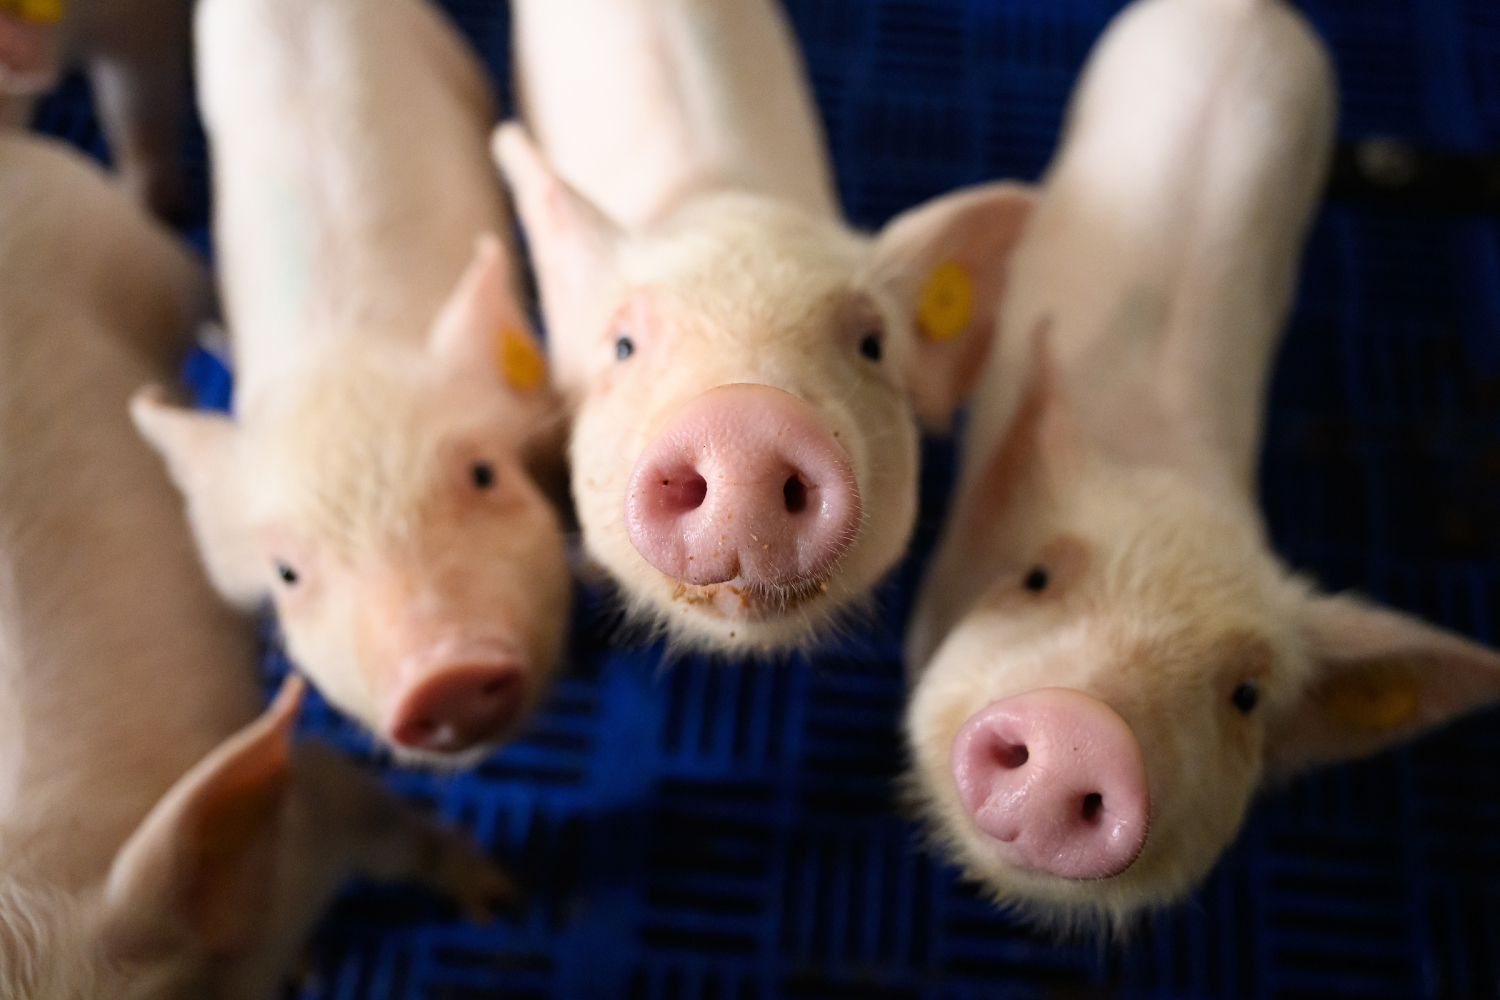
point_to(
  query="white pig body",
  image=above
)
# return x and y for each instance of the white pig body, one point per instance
(122, 670)
(136, 55)
(1108, 658)
(742, 366)
(389, 404)
(686, 99)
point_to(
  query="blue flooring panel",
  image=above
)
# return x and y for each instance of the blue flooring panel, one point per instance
(709, 831)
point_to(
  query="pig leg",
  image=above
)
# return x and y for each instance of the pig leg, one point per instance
(139, 75)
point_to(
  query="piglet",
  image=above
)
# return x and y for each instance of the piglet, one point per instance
(1108, 658)
(157, 839)
(135, 53)
(391, 405)
(744, 370)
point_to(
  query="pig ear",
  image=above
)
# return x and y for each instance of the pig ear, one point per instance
(572, 246)
(946, 261)
(201, 452)
(1380, 677)
(28, 63)
(1014, 489)
(1040, 450)
(482, 328)
(196, 873)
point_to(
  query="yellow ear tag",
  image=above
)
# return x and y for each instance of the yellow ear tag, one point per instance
(1372, 699)
(38, 11)
(520, 362)
(947, 302)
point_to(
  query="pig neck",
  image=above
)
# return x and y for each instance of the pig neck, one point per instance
(120, 667)
(643, 104)
(349, 196)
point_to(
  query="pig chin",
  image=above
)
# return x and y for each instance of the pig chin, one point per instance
(740, 601)
(740, 617)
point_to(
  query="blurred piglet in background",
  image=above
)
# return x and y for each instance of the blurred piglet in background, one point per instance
(391, 405)
(1109, 660)
(742, 367)
(157, 839)
(136, 55)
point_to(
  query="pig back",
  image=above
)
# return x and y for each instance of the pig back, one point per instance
(643, 103)
(61, 219)
(351, 169)
(120, 668)
(1163, 253)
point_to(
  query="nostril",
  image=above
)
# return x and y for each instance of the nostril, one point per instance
(1010, 756)
(683, 493)
(1093, 808)
(493, 687)
(796, 495)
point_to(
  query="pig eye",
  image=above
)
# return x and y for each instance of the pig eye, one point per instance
(624, 347)
(287, 574)
(482, 474)
(870, 346)
(1244, 698)
(1036, 580)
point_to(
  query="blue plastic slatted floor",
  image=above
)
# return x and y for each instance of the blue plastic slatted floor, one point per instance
(717, 832)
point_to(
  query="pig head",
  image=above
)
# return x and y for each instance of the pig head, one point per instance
(1108, 659)
(386, 503)
(743, 374)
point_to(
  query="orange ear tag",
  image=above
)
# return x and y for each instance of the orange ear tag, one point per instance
(37, 11)
(1372, 699)
(947, 302)
(520, 362)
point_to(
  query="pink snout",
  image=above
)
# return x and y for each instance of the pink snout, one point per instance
(743, 483)
(1056, 778)
(454, 707)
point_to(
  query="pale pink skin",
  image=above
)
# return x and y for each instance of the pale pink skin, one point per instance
(157, 839)
(1111, 450)
(1056, 779)
(136, 55)
(379, 450)
(682, 199)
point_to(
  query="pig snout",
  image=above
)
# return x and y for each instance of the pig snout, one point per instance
(457, 701)
(743, 483)
(1056, 778)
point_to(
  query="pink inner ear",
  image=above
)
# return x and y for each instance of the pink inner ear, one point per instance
(27, 65)
(481, 309)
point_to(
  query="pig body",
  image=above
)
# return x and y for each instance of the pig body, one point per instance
(686, 101)
(741, 365)
(390, 405)
(1108, 659)
(135, 53)
(156, 838)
